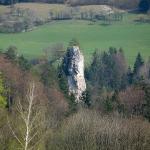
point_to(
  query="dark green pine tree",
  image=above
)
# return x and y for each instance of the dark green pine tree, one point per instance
(124, 81)
(149, 74)
(11, 53)
(86, 98)
(24, 63)
(129, 76)
(147, 102)
(138, 63)
(94, 68)
(148, 68)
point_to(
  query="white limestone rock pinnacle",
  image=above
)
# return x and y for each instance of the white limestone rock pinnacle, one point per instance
(74, 69)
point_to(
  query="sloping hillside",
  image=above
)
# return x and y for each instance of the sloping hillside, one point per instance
(42, 10)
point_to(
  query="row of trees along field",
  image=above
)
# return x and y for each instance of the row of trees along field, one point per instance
(36, 111)
(23, 20)
(124, 4)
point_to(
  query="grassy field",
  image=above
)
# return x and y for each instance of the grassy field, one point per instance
(132, 37)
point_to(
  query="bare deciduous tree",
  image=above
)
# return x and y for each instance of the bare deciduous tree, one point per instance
(31, 121)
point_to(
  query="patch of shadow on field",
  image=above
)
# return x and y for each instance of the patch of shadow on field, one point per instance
(143, 21)
(91, 24)
(105, 24)
(134, 11)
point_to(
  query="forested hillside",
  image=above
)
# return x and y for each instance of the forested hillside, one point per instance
(74, 75)
(37, 111)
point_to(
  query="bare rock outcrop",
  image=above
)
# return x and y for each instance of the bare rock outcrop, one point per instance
(74, 69)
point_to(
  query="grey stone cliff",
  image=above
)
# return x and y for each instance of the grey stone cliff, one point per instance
(74, 69)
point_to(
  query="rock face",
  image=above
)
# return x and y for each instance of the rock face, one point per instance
(74, 69)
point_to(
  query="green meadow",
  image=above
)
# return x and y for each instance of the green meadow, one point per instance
(132, 37)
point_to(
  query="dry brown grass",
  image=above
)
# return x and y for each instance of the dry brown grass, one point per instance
(42, 10)
(4, 9)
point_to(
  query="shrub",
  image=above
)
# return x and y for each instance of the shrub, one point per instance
(132, 100)
(11, 53)
(88, 130)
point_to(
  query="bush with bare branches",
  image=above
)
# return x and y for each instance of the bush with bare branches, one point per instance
(88, 130)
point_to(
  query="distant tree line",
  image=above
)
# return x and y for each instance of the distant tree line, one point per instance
(8, 2)
(109, 69)
(19, 20)
(124, 4)
(23, 20)
(144, 5)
